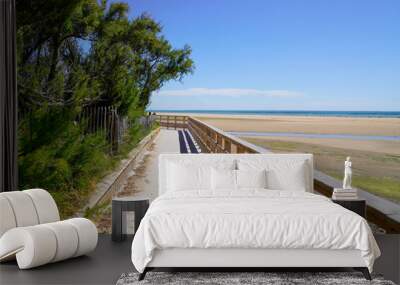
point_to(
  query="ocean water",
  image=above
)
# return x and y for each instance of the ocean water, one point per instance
(360, 114)
(323, 136)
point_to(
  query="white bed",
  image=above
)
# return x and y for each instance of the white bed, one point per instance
(281, 225)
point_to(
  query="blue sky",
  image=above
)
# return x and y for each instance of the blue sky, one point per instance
(282, 54)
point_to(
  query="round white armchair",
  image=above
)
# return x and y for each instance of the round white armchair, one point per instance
(31, 230)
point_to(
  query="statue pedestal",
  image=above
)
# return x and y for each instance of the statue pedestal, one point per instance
(344, 194)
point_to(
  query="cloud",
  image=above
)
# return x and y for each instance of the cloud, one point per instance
(229, 92)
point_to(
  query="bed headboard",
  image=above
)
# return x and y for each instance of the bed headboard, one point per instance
(214, 158)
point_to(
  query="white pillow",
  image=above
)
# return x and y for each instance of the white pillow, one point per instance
(223, 179)
(184, 178)
(251, 178)
(282, 174)
(292, 178)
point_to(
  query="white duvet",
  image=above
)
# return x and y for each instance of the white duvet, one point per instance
(250, 219)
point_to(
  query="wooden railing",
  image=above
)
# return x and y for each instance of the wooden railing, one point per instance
(213, 140)
(171, 121)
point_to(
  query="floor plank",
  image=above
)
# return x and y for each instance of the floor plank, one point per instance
(103, 266)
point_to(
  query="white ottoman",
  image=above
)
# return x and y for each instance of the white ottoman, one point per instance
(33, 243)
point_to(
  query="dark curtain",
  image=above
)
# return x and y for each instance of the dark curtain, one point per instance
(8, 98)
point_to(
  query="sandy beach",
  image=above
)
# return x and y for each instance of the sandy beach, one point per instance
(315, 125)
(376, 162)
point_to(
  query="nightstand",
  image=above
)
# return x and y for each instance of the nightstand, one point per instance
(122, 208)
(357, 206)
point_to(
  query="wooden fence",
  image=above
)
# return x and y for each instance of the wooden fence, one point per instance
(214, 140)
(106, 121)
(146, 121)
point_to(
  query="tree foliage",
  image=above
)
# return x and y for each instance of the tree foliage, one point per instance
(78, 53)
(82, 52)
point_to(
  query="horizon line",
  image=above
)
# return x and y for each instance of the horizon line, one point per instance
(270, 110)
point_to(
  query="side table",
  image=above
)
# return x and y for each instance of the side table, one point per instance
(121, 205)
(358, 206)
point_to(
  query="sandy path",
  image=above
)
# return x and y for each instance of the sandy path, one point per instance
(143, 180)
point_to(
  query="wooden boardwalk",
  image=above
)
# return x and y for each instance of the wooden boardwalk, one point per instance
(143, 180)
(380, 211)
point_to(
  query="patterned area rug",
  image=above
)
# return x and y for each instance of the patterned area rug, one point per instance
(228, 278)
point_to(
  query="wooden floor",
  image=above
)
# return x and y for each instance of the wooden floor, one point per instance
(110, 260)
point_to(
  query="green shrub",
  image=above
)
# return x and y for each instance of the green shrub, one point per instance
(63, 159)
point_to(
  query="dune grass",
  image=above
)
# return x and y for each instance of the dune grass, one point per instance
(374, 172)
(382, 186)
(70, 170)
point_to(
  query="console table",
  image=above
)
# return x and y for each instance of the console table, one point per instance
(121, 205)
(358, 206)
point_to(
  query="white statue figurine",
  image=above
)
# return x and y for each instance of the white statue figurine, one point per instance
(347, 174)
